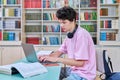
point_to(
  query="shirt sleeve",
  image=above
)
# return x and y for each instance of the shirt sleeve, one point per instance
(63, 47)
(82, 48)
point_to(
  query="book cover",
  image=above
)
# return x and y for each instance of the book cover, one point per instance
(5, 35)
(11, 36)
(82, 17)
(52, 3)
(27, 4)
(86, 15)
(104, 12)
(39, 3)
(101, 24)
(106, 24)
(103, 36)
(47, 4)
(94, 15)
(93, 3)
(33, 3)
(109, 24)
(107, 36)
(0, 35)
(32, 40)
(18, 2)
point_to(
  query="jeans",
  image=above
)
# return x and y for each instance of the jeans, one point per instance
(67, 75)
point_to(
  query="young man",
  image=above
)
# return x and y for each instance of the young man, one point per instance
(79, 47)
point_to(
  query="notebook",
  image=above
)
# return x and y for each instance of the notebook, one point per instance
(31, 54)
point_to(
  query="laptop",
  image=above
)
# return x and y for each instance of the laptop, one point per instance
(31, 54)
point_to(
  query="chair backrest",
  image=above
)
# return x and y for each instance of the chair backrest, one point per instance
(99, 61)
(104, 64)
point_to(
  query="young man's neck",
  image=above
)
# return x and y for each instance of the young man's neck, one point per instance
(73, 27)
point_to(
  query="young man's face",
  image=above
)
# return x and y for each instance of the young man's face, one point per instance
(66, 25)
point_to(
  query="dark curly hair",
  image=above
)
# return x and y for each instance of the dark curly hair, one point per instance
(66, 12)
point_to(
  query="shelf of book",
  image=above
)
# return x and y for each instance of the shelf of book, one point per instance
(109, 30)
(11, 18)
(88, 17)
(99, 17)
(48, 30)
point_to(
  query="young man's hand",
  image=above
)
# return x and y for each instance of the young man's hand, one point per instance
(48, 58)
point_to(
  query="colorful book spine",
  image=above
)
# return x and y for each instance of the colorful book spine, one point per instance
(33, 28)
(33, 40)
(32, 3)
(103, 36)
(108, 36)
(54, 40)
(104, 12)
(11, 36)
(113, 24)
(0, 35)
(93, 3)
(5, 36)
(90, 28)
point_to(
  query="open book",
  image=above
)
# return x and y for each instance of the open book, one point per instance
(25, 69)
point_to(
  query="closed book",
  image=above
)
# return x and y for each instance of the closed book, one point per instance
(93, 3)
(104, 12)
(11, 36)
(5, 36)
(32, 40)
(103, 36)
(0, 35)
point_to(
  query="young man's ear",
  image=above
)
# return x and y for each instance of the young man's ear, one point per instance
(74, 20)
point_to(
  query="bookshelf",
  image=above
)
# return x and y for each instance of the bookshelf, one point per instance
(33, 21)
(38, 24)
(99, 17)
(44, 29)
(10, 22)
(109, 22)
(50, 32)
(88, 17)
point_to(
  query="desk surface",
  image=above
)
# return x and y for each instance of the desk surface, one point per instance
(52, 74)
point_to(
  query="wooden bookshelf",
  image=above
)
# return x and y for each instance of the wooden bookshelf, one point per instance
(109, 22)
(49, 32)
(10, 21)
(35, 21)
(95, 16)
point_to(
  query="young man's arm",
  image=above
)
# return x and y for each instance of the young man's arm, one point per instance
(67, 61)
(55, 54)
(55, 57)
(71, 62)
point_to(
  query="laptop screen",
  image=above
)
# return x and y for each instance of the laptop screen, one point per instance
(29, 52)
